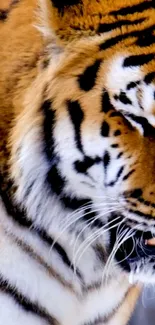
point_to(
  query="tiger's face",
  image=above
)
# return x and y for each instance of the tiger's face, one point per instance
(94, 114)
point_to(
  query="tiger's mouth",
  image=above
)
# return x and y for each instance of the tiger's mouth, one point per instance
(142, 249)
(140, 246)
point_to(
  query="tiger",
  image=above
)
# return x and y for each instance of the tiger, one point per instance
(77, 160)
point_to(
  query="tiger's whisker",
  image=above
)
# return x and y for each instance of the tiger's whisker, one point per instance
(122, 238)
(83, 208)
(96, 232)
(91, 242)
(126, 234)
(73, 221)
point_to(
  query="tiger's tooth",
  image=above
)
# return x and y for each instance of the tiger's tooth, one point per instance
(150, 242)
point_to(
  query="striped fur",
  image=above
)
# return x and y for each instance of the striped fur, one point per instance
(77, 130)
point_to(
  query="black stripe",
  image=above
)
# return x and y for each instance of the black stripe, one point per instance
(150, 77)
(149, 130)
(117, 133)
(3, 14)
(62, 253)
(54, 178)
(138, 60)
(30, 251)
(113, 41)
(74, 203)
(83, 166)
(147, 38)
(120, 155)
(48, 127)
(101, 253)
(139, 34)
(132, 85)
(18, 214)
(106, 105)
(145, 202)
(49, 240)
(132, 223)
(128, 175)
(89, 215)
(106, 160)
(119, 173)
(60, 5)
(114, 145)
(116, 114)
(136, 193)
(77, 116)
(107, 27)
(105, 129)
(20, 217)
(88, 78)
(133, 204)
(122, 97)
(141, 214)
(120, 255)
(24, 302)
(137, 8)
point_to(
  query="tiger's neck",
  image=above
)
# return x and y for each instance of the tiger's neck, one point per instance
(49, 236)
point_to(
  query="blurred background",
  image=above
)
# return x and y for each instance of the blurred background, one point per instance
(145, 310)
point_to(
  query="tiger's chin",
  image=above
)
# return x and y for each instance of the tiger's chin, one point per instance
(136, 256)
(142, 271)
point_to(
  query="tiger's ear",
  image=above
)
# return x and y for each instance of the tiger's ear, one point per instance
(72, 19)
(57, 18)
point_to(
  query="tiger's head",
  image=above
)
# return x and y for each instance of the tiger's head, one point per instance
(83, 146)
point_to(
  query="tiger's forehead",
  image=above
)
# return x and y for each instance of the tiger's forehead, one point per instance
(91, 17)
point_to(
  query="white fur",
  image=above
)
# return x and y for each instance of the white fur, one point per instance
(118, 77)
(35, 283)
